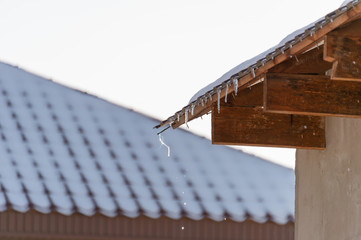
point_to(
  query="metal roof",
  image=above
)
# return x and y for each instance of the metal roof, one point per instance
(66, 151)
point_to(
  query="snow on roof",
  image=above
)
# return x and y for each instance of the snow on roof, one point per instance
(66, 151)
(253, 61)
(258, 64)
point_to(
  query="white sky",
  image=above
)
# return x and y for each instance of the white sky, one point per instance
(151, 56)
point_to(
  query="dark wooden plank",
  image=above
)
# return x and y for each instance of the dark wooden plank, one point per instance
(253, 127)
(346, 54)
(311, 95)
(247, 97)
(311, 62)
(350, 29)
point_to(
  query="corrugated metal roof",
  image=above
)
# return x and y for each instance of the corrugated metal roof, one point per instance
(66, 151)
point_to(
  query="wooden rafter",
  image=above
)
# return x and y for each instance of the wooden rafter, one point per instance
(310, 62)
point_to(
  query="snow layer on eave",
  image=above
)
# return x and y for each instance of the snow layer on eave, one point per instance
(243, 66)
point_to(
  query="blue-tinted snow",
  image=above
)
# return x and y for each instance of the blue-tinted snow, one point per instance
(66, 151)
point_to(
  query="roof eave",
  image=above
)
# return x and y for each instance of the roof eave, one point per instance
(244, 78)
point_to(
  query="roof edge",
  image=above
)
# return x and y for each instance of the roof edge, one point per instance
(309, 36)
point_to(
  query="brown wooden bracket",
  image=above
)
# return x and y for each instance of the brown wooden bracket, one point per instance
(311, 95)
(242, 121)
(343, 48)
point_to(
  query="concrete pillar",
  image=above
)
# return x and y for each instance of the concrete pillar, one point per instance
(328, 185)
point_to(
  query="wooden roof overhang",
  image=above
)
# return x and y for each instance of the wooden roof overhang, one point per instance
(281, 101)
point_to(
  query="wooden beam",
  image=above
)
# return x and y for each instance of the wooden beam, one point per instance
(311, 95)
(310, 62)
(253, 127)
(247, 97)
(241, 121)
(343, 48)
(349, 29)
(345, 52)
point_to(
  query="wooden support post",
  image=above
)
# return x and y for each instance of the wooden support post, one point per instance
(242, 121)
(311, 95)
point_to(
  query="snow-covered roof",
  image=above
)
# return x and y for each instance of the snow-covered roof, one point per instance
(66, 151)
(256, 66)
(263, 56)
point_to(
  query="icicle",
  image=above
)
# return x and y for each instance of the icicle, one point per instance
(253, 74)
(296, 58)
(178, 117)
(235, 85)
(192, 109)
(162, 142)
(186, 117)
(210, 96)
(218, 100)
(225, 97)
(202, 102)
(171, 121)
(264, 62)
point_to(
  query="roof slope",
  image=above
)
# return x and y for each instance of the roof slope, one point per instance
(63, 150)
(250, 70)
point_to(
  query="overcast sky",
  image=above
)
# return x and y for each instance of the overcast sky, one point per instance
(151, 56)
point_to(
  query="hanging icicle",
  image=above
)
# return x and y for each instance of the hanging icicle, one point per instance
(210, 96)
(192, 109)
(225, 97)
(202, 102)
(253, 73)
(162, 142)
(186, 117)
(235, 85)
(218, 100)
(178, 117)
